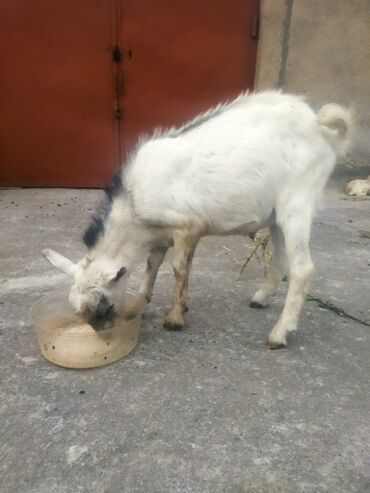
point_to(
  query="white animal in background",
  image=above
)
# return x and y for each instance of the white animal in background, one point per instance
(358, 188)
(259, 161)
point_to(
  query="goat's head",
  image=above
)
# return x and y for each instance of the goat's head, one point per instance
(97, 294)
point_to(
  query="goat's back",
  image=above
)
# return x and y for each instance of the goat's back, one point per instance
(234, 166)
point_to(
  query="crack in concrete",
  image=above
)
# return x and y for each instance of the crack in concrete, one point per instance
(285, 43)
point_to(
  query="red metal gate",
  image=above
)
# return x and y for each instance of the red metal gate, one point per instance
(80, 80)
(56, 125)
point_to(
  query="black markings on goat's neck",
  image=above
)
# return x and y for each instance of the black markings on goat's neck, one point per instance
(97, 224)
(115, 188)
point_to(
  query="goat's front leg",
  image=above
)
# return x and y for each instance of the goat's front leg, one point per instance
(153, 264)
(184, 248)
(296, 228)
(133, 306)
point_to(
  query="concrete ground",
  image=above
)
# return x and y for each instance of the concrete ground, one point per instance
(208, 409)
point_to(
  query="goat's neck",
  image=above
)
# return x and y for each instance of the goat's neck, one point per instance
(124, 240)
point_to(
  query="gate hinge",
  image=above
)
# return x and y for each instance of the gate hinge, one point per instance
(116, 54)
(117, 113)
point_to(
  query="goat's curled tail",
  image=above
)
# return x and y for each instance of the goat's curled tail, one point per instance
(337, 125)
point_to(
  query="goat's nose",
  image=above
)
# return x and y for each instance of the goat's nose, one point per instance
(97, 324)
(102, 307)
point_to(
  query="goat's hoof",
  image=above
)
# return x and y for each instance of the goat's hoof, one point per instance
(256, 304)
(173, 325)
(275, 344)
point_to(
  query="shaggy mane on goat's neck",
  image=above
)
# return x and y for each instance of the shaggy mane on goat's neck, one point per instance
(204, 117)
(173, 132)
(96, 228)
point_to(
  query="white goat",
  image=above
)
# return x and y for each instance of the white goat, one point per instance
(260, 161)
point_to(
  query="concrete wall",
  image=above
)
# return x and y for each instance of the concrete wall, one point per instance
(320, 48)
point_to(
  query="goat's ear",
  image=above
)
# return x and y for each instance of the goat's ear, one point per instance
(119, 274)
(60, 262)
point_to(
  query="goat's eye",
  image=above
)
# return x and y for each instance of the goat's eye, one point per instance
(119, 274)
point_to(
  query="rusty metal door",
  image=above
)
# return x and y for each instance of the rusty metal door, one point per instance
(57, 93)
(81, 80)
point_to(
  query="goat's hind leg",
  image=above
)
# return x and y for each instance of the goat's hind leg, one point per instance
(184, 248)
(296, 225)
(275, 271)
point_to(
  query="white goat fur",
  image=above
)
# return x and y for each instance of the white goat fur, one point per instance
(261, 160)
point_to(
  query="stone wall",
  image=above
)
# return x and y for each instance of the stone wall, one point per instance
(320, 48)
